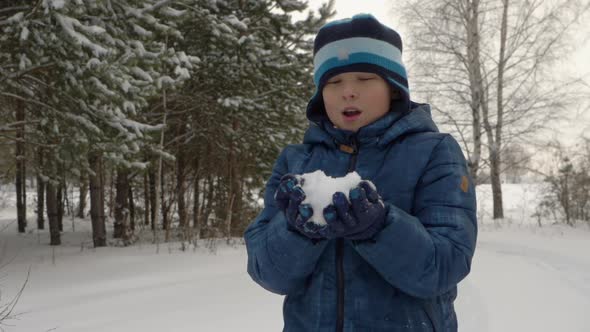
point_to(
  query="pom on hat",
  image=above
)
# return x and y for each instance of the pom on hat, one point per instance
(360, 43)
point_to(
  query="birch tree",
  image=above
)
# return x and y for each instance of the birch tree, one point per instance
(485, 66)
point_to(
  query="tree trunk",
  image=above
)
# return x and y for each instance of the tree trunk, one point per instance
(163, 202)
(234, 194)
(97, 215)
(475, 83)
(196, 204)
(121, 203)
(208, 203)
(52, 214)
(51, 199)
(495, 163)
(68, 207)
(131, 204)
(146, 199)
(40, 191)
(153, 205)
(158, 176)
(21, 198)
(222, 198)
(111, 191)
(239, 206)
(181, 190)
(565, 197)
(83, 194)
(60, 206)
(228, 220)
(495, 143)
(496, 185)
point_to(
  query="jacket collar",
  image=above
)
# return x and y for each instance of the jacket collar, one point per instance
(383, 131)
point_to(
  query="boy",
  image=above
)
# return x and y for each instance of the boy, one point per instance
(391, 255)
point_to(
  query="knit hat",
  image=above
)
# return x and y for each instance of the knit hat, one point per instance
(362, 44)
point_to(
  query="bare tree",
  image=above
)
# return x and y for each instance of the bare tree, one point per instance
(485, 64)
(515, 162)
(567, 198)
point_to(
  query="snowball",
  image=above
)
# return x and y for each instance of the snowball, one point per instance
(319, 188)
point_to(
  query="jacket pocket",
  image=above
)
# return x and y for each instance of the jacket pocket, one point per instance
(414, 315)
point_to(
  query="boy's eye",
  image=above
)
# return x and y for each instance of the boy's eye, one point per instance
(333, 82)
(366, 78)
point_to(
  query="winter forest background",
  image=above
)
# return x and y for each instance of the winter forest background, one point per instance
(131, 124)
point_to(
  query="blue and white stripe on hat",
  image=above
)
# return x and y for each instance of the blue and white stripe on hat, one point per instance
(359, 43)
(355, 50)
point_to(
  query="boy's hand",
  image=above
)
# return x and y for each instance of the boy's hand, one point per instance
(288, 198)
(360, 219)
(283, 193)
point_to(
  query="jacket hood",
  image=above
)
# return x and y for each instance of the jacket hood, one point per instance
(383, 131)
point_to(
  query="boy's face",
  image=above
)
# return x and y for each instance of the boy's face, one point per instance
(356, 99)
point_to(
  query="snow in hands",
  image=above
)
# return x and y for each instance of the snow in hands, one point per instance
(319, 189)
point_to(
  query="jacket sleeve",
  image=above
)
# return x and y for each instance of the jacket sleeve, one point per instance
(280, 260)
(428, 253)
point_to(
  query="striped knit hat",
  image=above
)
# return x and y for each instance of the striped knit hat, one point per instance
(361, 44)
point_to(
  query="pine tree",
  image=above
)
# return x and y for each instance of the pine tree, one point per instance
(248, 98)
(86, 70)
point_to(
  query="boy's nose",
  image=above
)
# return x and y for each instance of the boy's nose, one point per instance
(349, 92)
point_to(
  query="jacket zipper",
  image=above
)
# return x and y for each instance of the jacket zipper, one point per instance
(353, 150)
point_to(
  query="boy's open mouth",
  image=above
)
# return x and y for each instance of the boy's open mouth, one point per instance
(351, 114)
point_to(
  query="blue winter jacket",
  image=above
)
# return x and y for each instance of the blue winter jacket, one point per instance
(405, 278)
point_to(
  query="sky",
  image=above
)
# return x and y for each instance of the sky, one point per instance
(384, 11)
(575, 123)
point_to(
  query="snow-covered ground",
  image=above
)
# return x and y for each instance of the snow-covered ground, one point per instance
(524, 278)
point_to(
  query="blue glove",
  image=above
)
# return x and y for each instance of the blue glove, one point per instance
(360, 219)
(288, 198)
